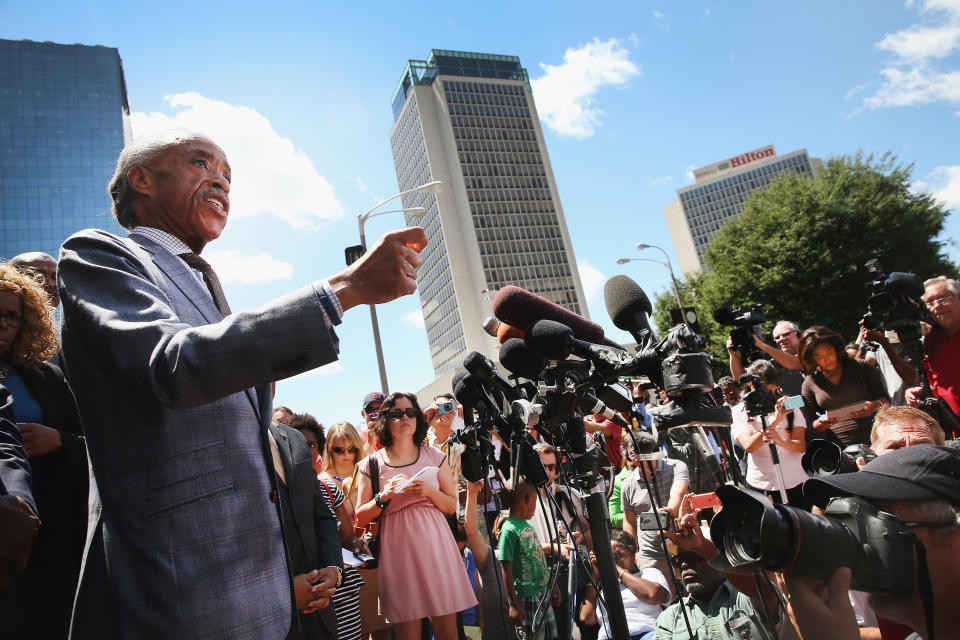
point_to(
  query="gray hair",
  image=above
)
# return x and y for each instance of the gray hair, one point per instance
(952, 285)
(140, 153)
(937, 510)
(766, 371)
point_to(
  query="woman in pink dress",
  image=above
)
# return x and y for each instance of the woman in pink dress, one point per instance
(421, 573)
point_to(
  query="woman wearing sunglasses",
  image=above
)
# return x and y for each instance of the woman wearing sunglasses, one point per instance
(421, 573)
(343, 451)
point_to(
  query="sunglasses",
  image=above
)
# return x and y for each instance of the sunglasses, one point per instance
(14, 320)
(550, 467)
(340, 450)
(687, 559)
(396, 414)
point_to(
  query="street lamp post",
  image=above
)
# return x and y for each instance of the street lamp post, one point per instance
(676, 288)
(429, 187)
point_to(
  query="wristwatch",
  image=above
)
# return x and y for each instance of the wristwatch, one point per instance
(380, 503)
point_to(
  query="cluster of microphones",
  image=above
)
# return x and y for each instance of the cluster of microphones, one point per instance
(545, 386)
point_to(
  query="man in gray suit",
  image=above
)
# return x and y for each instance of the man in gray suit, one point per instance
(184, 537)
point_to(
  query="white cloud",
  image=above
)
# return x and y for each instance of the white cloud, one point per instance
(913, 77)
(658, 15)
(658, 181)
(689, 173)
(254, 268)
(414, 318)
(943, 184)
(591, 279)
(325, 370)
(566, 93)
(270, 175)
(360, 183)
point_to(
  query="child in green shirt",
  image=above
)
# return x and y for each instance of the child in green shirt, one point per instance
(525, 572)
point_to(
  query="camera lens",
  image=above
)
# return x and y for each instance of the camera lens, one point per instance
(744, 533)
(825, 461)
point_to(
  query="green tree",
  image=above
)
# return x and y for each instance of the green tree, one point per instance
(798, 248)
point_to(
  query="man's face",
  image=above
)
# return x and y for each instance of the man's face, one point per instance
(549, 461)
(943, 562)
(786, 337)
(699, 579)
(944, 306)
(371, 412)
(187, 191)
(47, 267)
(731, 394)
(891, 437)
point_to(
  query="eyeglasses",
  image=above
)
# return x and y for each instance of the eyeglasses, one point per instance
(340, 450)
(785, 335)
(550, 467)
(13, 319)
(944, 300)
(396, 414)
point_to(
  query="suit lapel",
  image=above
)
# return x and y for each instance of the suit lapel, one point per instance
(182, 276)
(286, 454)
(193, 290)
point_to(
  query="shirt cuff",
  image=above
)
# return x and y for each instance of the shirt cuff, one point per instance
(330, 305)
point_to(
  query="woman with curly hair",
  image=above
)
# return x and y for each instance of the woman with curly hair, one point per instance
(421, 573)
(38, 602)
(836, 380)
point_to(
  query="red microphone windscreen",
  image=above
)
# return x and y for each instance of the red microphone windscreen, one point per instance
(506, 331)
(520, 308)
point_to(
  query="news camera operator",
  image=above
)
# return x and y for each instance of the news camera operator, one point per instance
(785, 356)
(941, 346)
(920, 485)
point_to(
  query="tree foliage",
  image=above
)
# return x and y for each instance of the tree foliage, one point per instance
(798, 248)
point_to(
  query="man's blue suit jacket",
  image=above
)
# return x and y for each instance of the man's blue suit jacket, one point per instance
(184, 537)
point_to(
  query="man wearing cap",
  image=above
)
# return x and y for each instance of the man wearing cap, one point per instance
(921, 486)
(370, 411)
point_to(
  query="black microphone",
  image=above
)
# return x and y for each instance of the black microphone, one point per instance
(517, 358)
(591, 405)
(469, 391)
(556, 341)
(482, 368)
(724, 315)
(629, 308)
(521, 309)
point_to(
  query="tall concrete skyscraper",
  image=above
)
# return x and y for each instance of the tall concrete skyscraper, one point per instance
(64, 118)
(718, 193)
(469, 120)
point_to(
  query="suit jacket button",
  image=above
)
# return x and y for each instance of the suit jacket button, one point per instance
(274, 496)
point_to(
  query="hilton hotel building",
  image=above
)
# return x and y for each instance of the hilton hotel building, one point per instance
(718, 193)
(469, 120)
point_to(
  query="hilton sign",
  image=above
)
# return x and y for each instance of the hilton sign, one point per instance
(752, 156)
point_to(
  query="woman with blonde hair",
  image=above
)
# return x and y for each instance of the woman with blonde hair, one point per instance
(343, 451)
(38, 602)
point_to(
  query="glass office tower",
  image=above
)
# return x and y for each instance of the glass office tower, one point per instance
(469, 120)
(64, 118)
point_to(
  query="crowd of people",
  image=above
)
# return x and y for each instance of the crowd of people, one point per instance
(149, 488)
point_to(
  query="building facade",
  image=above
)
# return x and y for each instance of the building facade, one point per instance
(718, 194)
(64, 118)
(469, 120)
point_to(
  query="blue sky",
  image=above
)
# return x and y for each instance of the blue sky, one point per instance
(633, 95)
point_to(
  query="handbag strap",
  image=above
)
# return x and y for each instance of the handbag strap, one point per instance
(326, 488)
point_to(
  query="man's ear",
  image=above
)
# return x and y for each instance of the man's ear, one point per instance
(140, 179)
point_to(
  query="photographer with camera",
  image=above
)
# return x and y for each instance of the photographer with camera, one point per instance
(785, 429)
(785, 356)
(920, 485)
(897, 373)
(941, 346)
(668, 479)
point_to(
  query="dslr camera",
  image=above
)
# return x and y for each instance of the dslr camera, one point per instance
(745, 323)
(751, 534)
